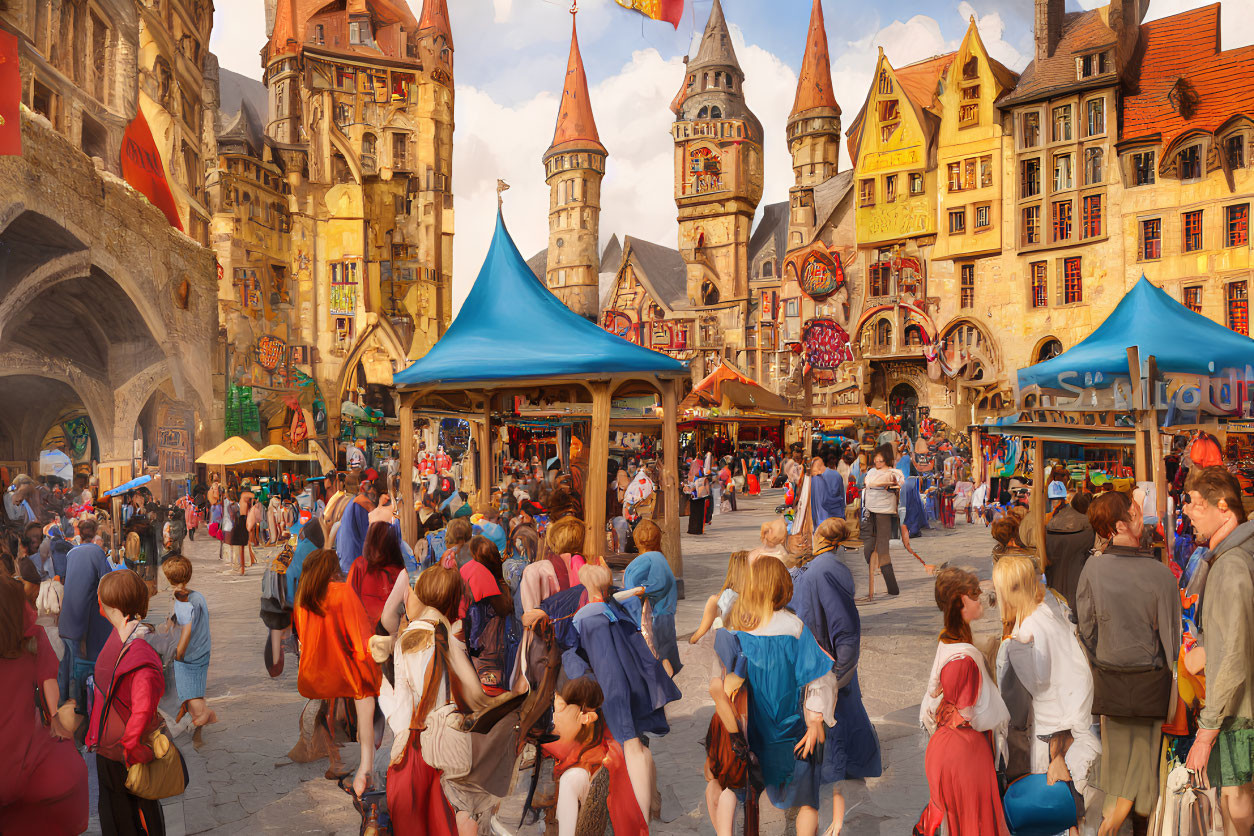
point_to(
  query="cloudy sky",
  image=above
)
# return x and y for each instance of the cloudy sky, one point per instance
(510, 60)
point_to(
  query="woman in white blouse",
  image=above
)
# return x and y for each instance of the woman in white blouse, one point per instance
(879, 498)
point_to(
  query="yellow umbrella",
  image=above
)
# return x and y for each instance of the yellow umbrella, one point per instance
(279, 453)
(234, 450)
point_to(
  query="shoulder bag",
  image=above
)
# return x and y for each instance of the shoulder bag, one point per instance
(165, 775)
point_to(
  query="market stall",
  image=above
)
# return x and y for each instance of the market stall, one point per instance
(727, 406)
(1140, 388)
(514, 339)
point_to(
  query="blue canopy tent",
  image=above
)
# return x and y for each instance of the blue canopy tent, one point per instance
(1181, 341)
(513, 335)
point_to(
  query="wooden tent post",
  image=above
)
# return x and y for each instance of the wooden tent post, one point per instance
(1036, 507)
(1139, 470)
(670, 479)
(409, 519)
(977, 456)
(485, 457)
(598, 470)
(1158, 463)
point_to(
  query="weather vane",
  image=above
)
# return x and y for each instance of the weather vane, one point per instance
(501, 187)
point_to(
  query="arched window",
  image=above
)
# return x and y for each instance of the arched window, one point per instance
(768, 268)
(368, 145)
(883, 333)
(914, 335)
(715, 112)
(703, 113)
(1049, 349)
(709, 293)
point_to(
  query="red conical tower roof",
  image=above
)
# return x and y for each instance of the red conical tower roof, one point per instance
(574, 116)
(435, 16)
(283, 38)
(814, 83)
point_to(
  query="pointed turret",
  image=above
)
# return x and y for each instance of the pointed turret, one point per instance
(284, 38)
(434, 20)
(575, 123)
(573, 168)
(814, 84)
(716, 45)
(814, 124)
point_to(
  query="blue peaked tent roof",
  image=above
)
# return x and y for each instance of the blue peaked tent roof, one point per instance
(512, 327)
(1181, 341)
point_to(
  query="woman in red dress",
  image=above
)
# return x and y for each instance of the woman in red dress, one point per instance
(335, 661)
(965, 713)
(44, 787)
(374, 573)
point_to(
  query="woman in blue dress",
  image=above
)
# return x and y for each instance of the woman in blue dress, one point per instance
(791, 687)
(823, 598)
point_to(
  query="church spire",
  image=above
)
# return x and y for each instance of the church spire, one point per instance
(435, 16)
(814, 84)
(575, 122)
(716, 44)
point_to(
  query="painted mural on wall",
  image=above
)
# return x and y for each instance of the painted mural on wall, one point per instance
(824, 345)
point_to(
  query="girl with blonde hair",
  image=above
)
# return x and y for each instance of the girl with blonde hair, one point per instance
(564, 542)
(1043, 652)
(792, 695)
(719, 606)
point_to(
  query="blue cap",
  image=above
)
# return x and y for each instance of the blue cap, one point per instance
(495, 533)
(1056, 490)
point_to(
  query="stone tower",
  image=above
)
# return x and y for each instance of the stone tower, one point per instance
(718, 169)
(813, 127)
(573, 168)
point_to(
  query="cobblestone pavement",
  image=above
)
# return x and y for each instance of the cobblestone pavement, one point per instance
(242, 781)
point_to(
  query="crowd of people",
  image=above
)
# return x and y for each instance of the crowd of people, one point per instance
(492, 651)
(1116, 687)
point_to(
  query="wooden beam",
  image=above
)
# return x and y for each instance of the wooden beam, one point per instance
(485, 457)
(1036, 507)
(977, 456)
(1158, 463)
(409, 518)
(598, 471)
(670, 479)
(1139, 469)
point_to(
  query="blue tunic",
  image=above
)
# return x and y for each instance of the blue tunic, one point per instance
(612, 650)
(653, 572)
(827, 496)
(351, 537)
(823, 593)
(777, 669)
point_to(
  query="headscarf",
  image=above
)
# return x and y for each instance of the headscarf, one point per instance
(351, 537)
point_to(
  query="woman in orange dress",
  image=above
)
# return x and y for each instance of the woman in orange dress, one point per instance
(335, 661)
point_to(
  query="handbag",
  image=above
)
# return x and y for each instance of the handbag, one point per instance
(1034, 807)
(165, 775)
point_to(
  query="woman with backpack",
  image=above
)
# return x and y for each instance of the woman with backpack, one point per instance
(432, 670)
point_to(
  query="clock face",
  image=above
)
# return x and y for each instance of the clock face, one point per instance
(820, 276)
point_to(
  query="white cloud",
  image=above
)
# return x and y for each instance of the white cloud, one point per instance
(239, 33)
(501, 10)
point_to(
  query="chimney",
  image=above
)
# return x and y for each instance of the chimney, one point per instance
(1048, 27)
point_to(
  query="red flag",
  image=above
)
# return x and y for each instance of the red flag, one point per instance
(671, 11)
(141, 167)
(300, 430)
(10, 97)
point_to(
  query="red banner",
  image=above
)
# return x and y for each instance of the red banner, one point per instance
(141, 167)
(10, 97)
(671, 11)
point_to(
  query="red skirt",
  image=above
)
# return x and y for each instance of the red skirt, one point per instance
(755, 487)
(963, 782)
(416, 800)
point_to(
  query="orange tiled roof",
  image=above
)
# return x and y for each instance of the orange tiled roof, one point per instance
(284, 38)
(575, 122)
(814, 83)
(295, 21)
(1186, 46)
(921, 81)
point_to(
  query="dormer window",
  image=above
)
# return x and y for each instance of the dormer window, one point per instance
(1095, 64)
(971, 69)
(1191, 163)
(319, 34)
(359, 32)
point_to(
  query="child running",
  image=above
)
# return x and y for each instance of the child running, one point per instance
(191, 656)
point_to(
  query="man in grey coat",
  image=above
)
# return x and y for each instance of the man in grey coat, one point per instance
(1225, 737)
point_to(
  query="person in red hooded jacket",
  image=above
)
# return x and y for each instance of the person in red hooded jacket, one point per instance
(130, 680)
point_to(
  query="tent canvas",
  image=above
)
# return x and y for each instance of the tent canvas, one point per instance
(727, 382)
(1183, 342)
(234, 450)
(512, 327)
